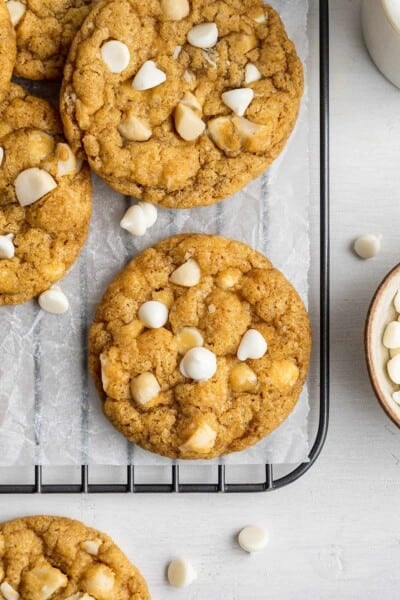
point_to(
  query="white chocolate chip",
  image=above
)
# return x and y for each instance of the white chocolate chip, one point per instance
(187, 338)
(228, 278)
(238, 100)
(1, 155)
(208, 58)
(150, 213)
(67, 162)
(396, 301)
(144, 388)
(251, 73)
(39, 146)
(115, 55)
(187, 275)
(134, 129)
(176, 52)
(188, 76)
(139, 218)
(191, 101)
(368, 245)
(204, 35)
(199, 364)
(393, 367)
(153, 314)
(175, 9)
(54, 301)
(16, 10)
(253, 538)
(391, 336)
(7, 249)
(220, 131)
(242, 378)
(91, 546)
(181, 573)
(148, 76)
(202, 440)
(396, 397)
(8, 591)
(47, 580)
(284, 374)
(246, 128)
(33, 184)
(134, 221)
(211, 309)
(261, 18)
(99, 581)
(252, 345)
(187, 123)
(105, 380)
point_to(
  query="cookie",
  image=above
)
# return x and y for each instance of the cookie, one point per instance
(182, 102)
(45, 31)
(45, 198)
(7, 49)
(199, 348)
(53, 557)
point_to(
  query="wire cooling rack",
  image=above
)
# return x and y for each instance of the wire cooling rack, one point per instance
(219, 478)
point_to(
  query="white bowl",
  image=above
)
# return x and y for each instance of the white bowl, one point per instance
(381, 28)
(380, 313)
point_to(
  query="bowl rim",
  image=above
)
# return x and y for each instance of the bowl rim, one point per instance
(368, 343)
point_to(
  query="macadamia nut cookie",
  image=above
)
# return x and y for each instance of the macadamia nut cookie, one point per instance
(45, 30)
(53, 557)
(200, 347)
(181, 103)
(7, 49)
(45, 198)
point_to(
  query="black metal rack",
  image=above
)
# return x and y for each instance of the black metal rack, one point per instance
(269, 482)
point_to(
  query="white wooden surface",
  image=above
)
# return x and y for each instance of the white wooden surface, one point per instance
(336, 533)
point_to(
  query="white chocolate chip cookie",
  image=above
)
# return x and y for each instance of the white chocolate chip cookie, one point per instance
(7, 49)
(44, 32)
(181, 102)
(45, 200)
(54, 557)
(199, 347)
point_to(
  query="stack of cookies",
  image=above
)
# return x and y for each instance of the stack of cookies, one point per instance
(200, 347)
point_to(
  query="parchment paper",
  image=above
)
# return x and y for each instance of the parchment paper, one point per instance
(50, 413)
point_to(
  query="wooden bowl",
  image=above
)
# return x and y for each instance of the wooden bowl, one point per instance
(380, 313)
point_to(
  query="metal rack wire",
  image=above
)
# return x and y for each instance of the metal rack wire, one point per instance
(269, 481)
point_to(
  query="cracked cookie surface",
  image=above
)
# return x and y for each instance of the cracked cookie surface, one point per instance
(49, 233)
(131, 136)
(137, 368)
(45, 557)
(44, 34)
(7, 49)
